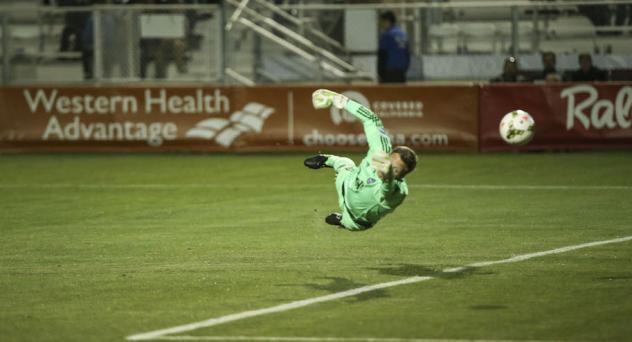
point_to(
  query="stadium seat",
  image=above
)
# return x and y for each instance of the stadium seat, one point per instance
(570, 27)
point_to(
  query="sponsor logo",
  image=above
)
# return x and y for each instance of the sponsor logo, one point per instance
(225, 131)
(583, 105)
(87, 117)
(383, 109)
(318, 138)
(398, 109)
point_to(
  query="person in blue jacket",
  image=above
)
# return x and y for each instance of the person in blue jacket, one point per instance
(393, 56)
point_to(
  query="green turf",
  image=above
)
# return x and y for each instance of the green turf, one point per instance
(99, 247)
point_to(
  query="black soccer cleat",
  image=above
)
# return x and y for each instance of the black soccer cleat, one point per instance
(334, 219)
(316, 162)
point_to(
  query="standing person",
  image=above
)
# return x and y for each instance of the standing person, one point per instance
(587, 71)
(393, 55)
(74, 23)
(368, 192)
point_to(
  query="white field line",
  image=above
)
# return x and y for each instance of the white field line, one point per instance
(160, 186)
(321, 339)
(156, 334)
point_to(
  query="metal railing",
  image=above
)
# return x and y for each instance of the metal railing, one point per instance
(111, 38)
(255, 41)
(290, 39)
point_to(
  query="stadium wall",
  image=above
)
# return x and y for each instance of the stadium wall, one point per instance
(567, 116)
(270, 118)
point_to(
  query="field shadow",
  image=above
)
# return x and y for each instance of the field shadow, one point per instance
(412, 270)
(617, 277)
(487, 307)
(339, 284)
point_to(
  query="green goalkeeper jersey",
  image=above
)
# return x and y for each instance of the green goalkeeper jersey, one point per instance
(364, 197)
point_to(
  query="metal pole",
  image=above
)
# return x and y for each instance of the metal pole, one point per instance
(515, 48)
(440, 4)
(223, 43)
(536, 31)
(301, 18)
(6, 54)
(425, 31)
(417, 29)
(132, 43)
(97, 72)
(213, 60)
(257, 61)
(40, 36)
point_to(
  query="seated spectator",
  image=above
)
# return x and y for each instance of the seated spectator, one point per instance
(587, 71)
(549, 73)
(74, 23)
(162, 51)
(511, 73)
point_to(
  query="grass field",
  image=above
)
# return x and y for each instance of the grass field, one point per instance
(100, 247)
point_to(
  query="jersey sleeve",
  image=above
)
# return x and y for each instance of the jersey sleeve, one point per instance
(376, 136)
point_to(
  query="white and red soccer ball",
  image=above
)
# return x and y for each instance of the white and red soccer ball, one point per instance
(517, 127)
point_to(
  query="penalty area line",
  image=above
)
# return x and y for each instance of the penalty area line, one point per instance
(170, 186)
(322, 339)
(161, 333)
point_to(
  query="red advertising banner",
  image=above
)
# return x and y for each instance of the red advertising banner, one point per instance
(567, 116)
(230, 118)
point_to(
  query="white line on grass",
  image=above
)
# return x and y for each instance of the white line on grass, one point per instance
(156, 334)
(322, 339)
(160, 186)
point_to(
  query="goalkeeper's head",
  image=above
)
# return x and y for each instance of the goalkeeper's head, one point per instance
(403, 160)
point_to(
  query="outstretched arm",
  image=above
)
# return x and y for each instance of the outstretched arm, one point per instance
(376, 136)
(374, 130)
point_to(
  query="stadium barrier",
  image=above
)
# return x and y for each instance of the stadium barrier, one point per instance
(234, 119)
(568, 116)
(270, 118)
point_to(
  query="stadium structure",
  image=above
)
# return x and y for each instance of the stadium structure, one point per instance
(153, 181)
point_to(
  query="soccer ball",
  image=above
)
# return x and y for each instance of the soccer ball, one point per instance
(517, 127)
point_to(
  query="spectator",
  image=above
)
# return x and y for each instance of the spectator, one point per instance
(607, 15)
(87, 49)
(161, 51)
(114, 37)
(623, 15)
(393, 56)
(511, 72)
(599, 15)
(74, 24)
(549, 73)
(587, 72)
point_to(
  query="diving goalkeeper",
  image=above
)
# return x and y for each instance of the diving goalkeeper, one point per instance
(368, 192)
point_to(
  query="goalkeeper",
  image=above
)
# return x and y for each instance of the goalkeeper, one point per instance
(368, 192)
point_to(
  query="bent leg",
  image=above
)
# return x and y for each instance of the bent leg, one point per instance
(349, 224)
(339, 163)
(345, 168)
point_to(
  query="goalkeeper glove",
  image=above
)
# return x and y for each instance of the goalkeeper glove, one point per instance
(323, 98)
(381, 162)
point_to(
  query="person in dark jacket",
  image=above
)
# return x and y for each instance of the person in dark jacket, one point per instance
(74, 23)
(587, 72)
(393, 56)
(549, 73)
